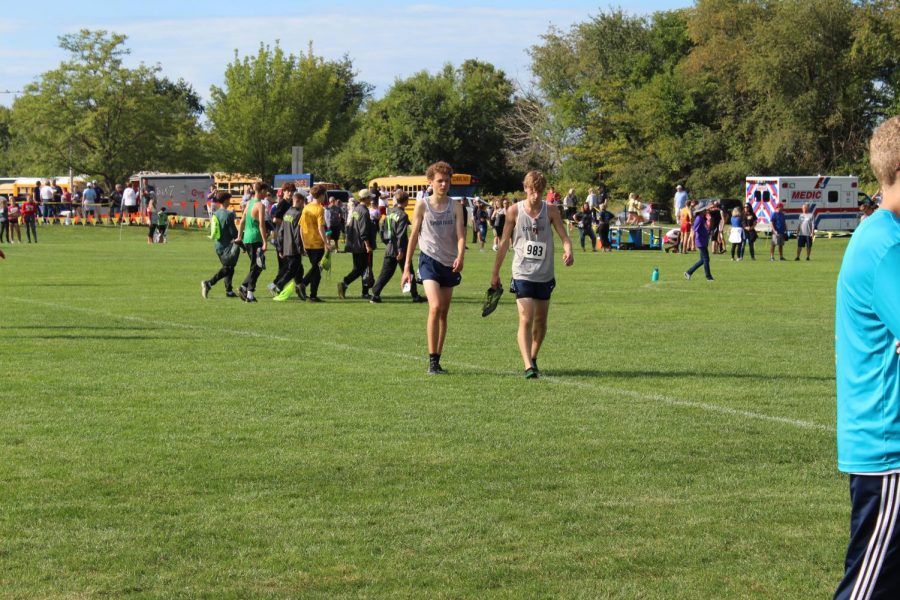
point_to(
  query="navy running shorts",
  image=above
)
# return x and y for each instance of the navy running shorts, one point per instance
(523, 288)
(435, 271)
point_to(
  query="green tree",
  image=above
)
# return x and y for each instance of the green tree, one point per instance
(101, 119)
(456, 115)
(272, 101)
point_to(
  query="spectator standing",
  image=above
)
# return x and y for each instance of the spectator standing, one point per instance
(498, 219)
(4, 220)
(748, 224)
(586, 224)
(805, 229)
(57, 205)
(592, 199)
(570, 203)
(867, 369)
(685, 218)
(701, 241)
(481, 223)
(14, 220)
(779, 233)
(88, 200)
(29, 215)
(46, 201)
(681, 199)
(334, 220)
(115, 203)
(736, 235)
(130, 200)
(604, 219)
(716, 222)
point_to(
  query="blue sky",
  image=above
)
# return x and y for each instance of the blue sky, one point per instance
(386, 40)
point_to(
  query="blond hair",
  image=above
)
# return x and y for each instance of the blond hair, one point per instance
(884, 151)
(536, 181)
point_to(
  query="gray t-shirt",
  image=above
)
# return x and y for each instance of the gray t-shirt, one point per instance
(806, 225)
(532, 243)
(438, 237)
(291, 245)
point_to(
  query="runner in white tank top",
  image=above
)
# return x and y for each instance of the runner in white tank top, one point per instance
(439, 221)
(528, 224)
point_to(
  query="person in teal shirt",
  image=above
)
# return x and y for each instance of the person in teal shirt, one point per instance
(867, 370)
(252, 229)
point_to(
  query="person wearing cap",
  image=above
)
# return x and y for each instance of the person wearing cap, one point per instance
(227, 235)
(701, 242)
(529, 230)
(437, 228)
(396, 228)
(779, 232)
(867, 373)
(358, 231)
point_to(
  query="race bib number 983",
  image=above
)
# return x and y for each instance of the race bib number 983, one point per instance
(535, 250)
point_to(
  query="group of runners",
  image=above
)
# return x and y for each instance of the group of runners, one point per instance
(437, 229)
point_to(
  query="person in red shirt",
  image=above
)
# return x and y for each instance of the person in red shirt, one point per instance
(29, 214)
(13, 215)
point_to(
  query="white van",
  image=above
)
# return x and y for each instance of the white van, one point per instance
(833, 200)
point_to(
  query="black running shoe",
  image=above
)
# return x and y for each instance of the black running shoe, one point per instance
(531, 373)
(491, 299)
(419, 299)
(435, 369)
(375, 300)
(314, 299)
(301, 292)
(242, 292)
(204, 289)
(230, 294)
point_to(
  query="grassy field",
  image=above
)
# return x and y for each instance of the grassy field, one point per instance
(156, 445)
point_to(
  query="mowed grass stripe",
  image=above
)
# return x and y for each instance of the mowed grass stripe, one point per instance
(153, 461)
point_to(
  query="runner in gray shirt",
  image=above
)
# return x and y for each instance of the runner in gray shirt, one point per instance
(528, 224)
(437, 228)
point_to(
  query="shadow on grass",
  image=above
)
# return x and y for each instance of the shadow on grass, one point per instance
(95, 337)
(633, 374)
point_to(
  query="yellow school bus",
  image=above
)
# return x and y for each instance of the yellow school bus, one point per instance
(234, 184)
(462, 185)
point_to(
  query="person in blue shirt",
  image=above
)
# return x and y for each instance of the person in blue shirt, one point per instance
(779, 232)
(867, 369)
(701, 241)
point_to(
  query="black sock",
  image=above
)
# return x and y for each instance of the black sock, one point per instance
(434, 358)
(534, 362)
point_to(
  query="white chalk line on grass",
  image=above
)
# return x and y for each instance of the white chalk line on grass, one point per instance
(651, 397)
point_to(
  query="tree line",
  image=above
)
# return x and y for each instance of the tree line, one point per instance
(702, 96)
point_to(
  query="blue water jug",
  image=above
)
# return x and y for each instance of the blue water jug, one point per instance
(655, 275)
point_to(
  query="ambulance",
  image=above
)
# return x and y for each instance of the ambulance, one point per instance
(833, 200)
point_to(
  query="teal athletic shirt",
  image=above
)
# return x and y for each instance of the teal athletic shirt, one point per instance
(866, 326)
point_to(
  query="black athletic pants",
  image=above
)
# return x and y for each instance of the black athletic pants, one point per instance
(872, 565)
(360, 262)
(31, 227)
(257, 264)
(314, 276)
(292, 269)
(588, 231)
(226, 273)
(603, 232)
(388, 267)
